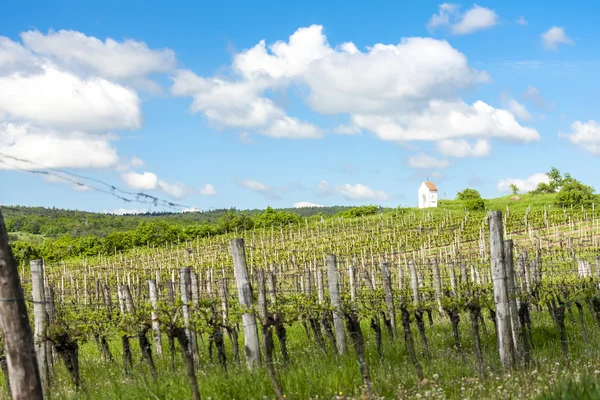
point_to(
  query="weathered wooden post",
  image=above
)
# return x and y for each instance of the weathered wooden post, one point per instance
(512, 298)
(503, 322)
(389, 296)
(40, 320)
(334, 293)
(240, 267)
(186, 297)
(24, 375)
(153, 291)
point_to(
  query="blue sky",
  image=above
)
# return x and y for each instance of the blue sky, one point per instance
(249, 104)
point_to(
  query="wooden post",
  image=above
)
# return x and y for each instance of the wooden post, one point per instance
(153, 290)
(352, 279)
(437, 283)
(24, 375)
(503, 322)
(240, 267)
(389, 296)
(267, 321)
(512, 298)
(186, 289)
(40, 320)
(334, 293)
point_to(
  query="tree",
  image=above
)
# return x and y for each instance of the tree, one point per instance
(513, 188)
(574, 193)
(468, 194)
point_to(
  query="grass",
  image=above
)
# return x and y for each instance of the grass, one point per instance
(313, 374)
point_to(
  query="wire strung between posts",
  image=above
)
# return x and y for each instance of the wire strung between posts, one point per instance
(58, 173)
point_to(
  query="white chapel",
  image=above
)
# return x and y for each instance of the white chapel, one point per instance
(428, 195)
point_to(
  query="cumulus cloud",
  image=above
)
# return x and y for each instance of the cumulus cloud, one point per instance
(524, 185)
(129, 61)
(150, 181)
(407, 91)
(449, 120)
(208, 190)
(143, 181)
(62, 100)
(464, 149)
(63, 94)
(555, 36)
(353, 192)
(584, 135)
(474, 19)
(426, 161)
(306, 204)
(48, 148)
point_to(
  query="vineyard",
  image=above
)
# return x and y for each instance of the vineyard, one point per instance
(396, 305)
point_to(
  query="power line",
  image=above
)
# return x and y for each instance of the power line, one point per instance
(138, 197)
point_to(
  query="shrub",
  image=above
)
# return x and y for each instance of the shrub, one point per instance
(575, 193)
(475, 204)
(468, 194)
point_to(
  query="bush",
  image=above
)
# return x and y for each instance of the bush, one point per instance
(359, 211)
(475, 204)
(468, 194)
(575, 193)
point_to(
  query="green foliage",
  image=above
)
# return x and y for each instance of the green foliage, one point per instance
(575, 193)
(513, 189)
(270, 217)
(359, 211)
(475, 204)
(468, 194)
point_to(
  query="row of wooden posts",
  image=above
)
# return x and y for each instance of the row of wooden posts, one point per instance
(29, 375)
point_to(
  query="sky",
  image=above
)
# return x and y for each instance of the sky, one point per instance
(247, 104)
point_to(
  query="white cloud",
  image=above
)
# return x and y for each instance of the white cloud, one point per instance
(426, 161)
(48, 148)
(129, 60)
(143, 181)
(361, 192)
(61, 100)
(176, 190)
(347, 130)
(191, 209)
(254, 185)
(60, 97)
(474, 19)
(555, 36)
(288, 127)
(125, 211)
(15, 58)
(150, 181)
(584, 135)
(521, 21)
(408, 91)
(353, 192)
(524, 185)
(259, 187)
(464, 149)
(306, 204)
(517, 109)
(208, 190)
(448, 120)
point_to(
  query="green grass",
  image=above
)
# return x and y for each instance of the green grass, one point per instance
(317, 375)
